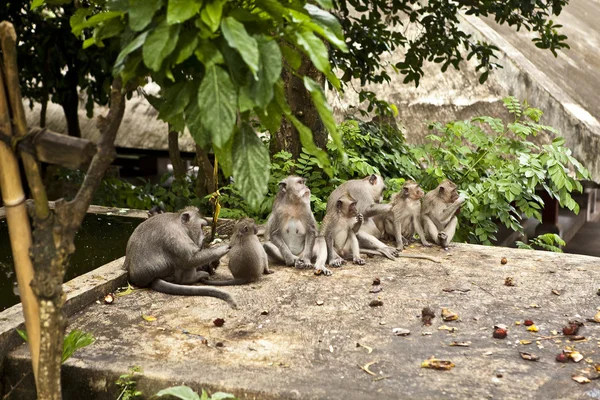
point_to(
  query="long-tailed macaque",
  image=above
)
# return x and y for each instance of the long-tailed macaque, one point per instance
(368, 193)
(248, 260)
(438, 213)
(339, 228)
(165, 253)
(404, 220)
(291, 231)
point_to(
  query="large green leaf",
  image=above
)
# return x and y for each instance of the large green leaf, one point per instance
(181, 392)
(324, 110)
(217, 99)
(325, 19)
(306, 138)
(237, 37)
(270, 117)
(326, 4)
(179, 11)
(176, 98)
(208, 54)
(211, 14)
(141, 13)
(292, 57)
(269, 72)
(188, 41)
(95, 20)
(250, 165)
(316, 50)
(193, 121)
(223, 155)
(131, 47)
(160, 43)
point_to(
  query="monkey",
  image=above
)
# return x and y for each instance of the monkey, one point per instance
(248, 260)
(165, 253)
(404, 220)
(291, 230)
(339, 229)
(155, 210)
(368, 193)
(438, 213)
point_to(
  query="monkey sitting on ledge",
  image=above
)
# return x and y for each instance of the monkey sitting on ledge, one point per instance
(165, 253)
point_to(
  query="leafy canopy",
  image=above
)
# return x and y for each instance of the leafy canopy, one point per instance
(218, 64)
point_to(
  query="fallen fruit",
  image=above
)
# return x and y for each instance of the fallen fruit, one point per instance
(219, 344)
(528, 322)
(500, 333)
(562, 358)
(448, 315)
(509, 281)
(503, 260)
(109, 298)
(529, 356)
(427, 315)
(400, 332)
(580, 379)
(434, 363)
(376, 303)
(532, 328)
(219, 322)
(376, 281)
(570, 330)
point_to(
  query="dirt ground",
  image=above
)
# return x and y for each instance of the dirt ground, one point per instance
(300, 336)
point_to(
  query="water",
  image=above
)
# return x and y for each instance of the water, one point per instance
(101, 239)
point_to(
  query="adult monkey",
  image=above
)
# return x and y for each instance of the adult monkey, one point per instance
(165, 253)
(439, 213)
(368, 193)
(291, 230)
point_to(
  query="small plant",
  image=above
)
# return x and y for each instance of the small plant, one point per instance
(128, 384)
(548, 242)
(73, 341)
(186, 393)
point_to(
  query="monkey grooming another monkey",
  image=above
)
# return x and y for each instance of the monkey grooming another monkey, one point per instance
(248, 260)
(339, 229)
(438, 213)
(291, 231)
(368, 193)
(165, 253)
(404, 220)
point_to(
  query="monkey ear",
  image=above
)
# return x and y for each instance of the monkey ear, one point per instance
(442, 189)
(339, 204)
(185, 217)
(255, 229)
(373, 179)
(282, 186)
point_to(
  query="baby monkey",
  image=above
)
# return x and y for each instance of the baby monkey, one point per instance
(248, 260)
(339, 227)
(404, 220)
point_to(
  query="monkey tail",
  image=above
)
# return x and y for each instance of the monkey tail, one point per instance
(423, 257)
(230, 282)
(163, 286)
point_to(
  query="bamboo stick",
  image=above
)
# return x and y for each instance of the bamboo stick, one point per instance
(19, 231)
(8, 39)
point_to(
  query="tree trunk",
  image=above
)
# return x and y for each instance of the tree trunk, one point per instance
(205, 183)
(175, 156)
(303, 108)
(70, 105)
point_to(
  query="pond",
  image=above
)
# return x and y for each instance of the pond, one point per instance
(100, 240)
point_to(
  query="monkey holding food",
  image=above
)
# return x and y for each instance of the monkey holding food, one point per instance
(291, 231)
(248, 260)
(404, 220)
(438, 213)
(339, 228)
(165, 253)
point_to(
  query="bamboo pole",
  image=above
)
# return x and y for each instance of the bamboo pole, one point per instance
(8, 39)
(19, 231)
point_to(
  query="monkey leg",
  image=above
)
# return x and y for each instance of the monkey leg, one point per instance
(398, 235)
(431, 230)
(420, 232)
(280, 252)
(333, 258)
(370, 242)
(355, 249)
(448, 233)
(320, 256)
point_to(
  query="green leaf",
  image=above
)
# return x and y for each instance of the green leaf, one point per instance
(160, 43)
(306, 138)
(208, 54)
(193, 121)
(324, 110)
(237, 37)
(181, 392)
(314, 48)
(326, 4)
(211, 14)
(293, 58)
(176, 98)
(270, 117)
(329, 26)
(23, 334)
(188, 41)
(131, 47)
(95, 20)
(250, 165)
(223, 155)
(37, 3)
(179, 11)
(74, 341)
(141, 13)
(221, 396)
(217, 99)
(268, 73)
(204, 395)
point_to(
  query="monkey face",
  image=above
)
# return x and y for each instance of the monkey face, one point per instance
(296, 189)
(192, 221)
(447, 191)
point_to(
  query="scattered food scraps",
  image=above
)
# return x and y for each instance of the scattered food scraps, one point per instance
(517, 322)
(400, 332)
(434, 363)
(580, 379)
(376, 289)
(528, 322)
(264, 312)
(427, 315)
(534, 306)
(450, 290)
(219, 344)
(525, 342)
(556, 292)
(376, 281)
(597, 317)
(366, 368)
(577, 338)
(149, 318)
(500, 331)
(369, 349)
(320, 302)
(529, 356)
(575, 356)
(330, 348)
(109, 298)
(503, 260)
(447, 328)
(448, 315)
(532, 328)
(562, 358)
(460, 344)
(376, 303)
(219, 322)
(125, 292)
(509, 281)
(570, 330)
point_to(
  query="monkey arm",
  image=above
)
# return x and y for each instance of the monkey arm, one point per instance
(449, 232)
(287, 255)
(375, 209)
(451, 209)
(309, 244)
(358, 223)
(206, 256)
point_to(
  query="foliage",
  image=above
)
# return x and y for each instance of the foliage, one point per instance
(128, 384)
(186, 393)
(74, 341)
(51, 68)
(430, 32)
(218, 64)
(548, 242)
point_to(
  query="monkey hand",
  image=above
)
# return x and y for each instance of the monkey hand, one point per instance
(322, 270)
(302, 263)
(359, 218)
(460, 200)
(400, 246)
(389, 252)
(358, 261)
(337, 262)
(425, 243)
(442, 236)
